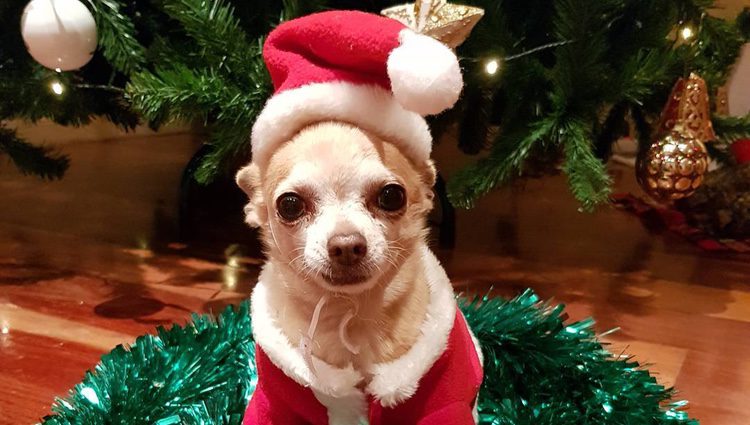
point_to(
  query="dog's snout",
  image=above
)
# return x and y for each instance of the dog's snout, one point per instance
(347, 249)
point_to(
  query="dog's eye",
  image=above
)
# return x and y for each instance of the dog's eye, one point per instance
(392, 198)
(290, 206)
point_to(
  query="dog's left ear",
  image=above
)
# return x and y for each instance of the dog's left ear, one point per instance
(429, 175)
(248, 179)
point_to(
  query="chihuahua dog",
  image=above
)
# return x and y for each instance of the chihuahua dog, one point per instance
(351, 303)
(354, 318)
(342, 213)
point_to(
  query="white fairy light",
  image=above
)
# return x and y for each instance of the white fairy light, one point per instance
(492, 66)
(57, 88)
(687, 33)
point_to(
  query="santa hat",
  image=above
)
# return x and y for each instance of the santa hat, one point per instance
(359, 68)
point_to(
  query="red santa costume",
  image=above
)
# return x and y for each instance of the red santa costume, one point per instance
(375, 73)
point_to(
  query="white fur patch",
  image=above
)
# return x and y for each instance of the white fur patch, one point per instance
(266, 331)
(396, 381)
(349, 410)
(336, 388)
(369, 107)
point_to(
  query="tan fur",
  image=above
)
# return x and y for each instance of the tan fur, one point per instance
(389, 314)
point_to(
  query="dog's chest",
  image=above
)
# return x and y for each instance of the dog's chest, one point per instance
(373, 341)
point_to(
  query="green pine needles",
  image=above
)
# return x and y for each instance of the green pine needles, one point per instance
(538, 371)
(221, 80)
(572, 76)
(30, 159)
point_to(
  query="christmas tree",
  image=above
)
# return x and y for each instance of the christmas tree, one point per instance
(549, 85)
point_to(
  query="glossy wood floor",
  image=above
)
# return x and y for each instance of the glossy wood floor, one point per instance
(86, 264)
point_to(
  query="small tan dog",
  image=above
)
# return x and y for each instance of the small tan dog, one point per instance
(353, 317)
(343, 213)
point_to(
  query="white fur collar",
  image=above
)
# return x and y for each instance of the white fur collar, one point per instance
(391, 382)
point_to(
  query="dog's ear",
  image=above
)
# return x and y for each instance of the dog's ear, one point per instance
(429, 175)
(248, 179)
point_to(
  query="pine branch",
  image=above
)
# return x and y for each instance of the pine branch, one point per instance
(116, 36)
(219, 36)
(504, 162)
(587, 175)
(581, 76)
(646, 73)
(32, 160)
(716, 50)
(729, 129)
(183, 94)
(229, 143)
(225, 91)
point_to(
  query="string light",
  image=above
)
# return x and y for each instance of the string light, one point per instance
(57, 88)
(492, 66)
(231, 272)
(687, 33)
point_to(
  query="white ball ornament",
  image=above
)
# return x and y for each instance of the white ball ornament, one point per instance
(59, 34)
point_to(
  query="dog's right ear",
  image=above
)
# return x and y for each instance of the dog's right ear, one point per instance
(248, 179)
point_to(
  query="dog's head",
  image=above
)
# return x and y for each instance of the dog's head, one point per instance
(339, 207)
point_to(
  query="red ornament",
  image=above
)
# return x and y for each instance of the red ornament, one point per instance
(741, 150)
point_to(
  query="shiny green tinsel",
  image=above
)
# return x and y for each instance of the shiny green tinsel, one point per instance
(538, 370)
(541, 371)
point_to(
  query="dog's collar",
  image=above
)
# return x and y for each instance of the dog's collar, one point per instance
(391, 382)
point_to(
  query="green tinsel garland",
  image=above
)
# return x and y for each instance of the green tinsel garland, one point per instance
(538, 370)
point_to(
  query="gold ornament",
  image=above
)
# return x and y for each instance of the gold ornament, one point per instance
(688, 106)
(674, 166)
(448, 23)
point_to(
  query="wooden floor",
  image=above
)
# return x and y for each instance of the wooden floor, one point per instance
(82, 269)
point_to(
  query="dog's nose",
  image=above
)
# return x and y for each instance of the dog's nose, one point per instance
(347, 249)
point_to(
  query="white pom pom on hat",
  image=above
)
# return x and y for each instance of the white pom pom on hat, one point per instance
(424, 73)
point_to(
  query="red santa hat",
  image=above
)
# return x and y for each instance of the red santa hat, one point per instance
(359, 68)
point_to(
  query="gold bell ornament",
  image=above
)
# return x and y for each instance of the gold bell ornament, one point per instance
(674, 165)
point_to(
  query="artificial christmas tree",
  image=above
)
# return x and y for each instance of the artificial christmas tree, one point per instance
(549, 84)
